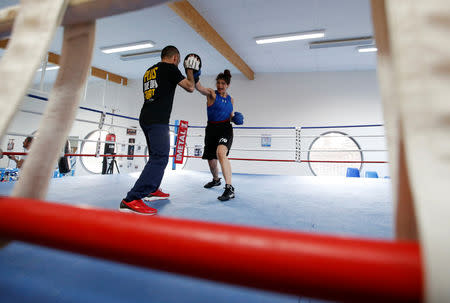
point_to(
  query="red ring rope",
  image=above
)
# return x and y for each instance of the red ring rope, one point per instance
(197, 157)
(281, 160)
(336, 161)
(313, 265)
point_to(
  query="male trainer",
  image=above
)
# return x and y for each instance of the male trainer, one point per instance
(160, 82)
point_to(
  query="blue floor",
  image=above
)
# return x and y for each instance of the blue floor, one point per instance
(333, 205)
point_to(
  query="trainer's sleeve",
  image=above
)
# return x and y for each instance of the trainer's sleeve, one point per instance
(175, 76)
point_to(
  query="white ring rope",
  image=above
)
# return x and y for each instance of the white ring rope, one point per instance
(78, 43)
(79, 120)
(233, 149)
(34, 28)
(83, 140)
(305, 150)
(89, 121)
(293, 137)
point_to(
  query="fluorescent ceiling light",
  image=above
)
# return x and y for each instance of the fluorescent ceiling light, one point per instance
(127, 47)
(142, 55)
(367, 49)
(52, 67)
(341, 42)
(290, 37)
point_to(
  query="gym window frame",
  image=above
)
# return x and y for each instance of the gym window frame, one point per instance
(102, 147)
(343, 135)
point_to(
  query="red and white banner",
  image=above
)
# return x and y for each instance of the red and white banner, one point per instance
(181, 141)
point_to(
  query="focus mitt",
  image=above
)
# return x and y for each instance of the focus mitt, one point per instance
(193, 61)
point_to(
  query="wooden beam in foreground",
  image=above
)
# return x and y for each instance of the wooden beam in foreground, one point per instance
(192, 17)
(414, 68)
(80, 11)
(96, 72)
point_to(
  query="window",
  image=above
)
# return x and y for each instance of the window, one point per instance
(334, 146)
(93, 164)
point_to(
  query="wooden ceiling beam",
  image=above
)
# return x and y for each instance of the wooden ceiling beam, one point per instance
(192, 17)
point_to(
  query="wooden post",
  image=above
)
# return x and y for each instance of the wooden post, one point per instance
(414, 69)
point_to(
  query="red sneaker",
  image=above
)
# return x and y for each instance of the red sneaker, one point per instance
(138, 207)
(157, 195)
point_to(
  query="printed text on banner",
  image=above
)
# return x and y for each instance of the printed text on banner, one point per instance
(181, 142)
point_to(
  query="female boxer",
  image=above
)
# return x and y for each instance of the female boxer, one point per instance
(219, 132)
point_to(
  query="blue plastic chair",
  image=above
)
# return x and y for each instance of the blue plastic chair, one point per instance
(371, 174)
(352, 172)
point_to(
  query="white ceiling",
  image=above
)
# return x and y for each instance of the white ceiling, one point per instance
(238, 22)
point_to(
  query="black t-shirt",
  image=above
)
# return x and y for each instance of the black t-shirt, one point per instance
(160, 82)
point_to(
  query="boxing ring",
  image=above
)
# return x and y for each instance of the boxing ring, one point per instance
(355, 207)
(282, 202)
(294, 263)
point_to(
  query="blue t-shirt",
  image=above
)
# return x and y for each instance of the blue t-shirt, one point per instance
(221, 109)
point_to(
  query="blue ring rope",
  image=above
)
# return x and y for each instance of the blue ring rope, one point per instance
(240, 127)
(87, 108)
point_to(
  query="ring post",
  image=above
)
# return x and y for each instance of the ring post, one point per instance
(298, 144)
(175, 138)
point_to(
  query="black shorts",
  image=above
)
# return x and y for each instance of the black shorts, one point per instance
(217, 134)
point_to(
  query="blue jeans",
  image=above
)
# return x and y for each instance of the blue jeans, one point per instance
(158, 142)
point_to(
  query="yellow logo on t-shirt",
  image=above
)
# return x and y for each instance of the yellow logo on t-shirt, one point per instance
(150, 83)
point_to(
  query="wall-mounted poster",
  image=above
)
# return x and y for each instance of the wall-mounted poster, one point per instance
(10, 144)
(266, 141)
(198, 150)
(131, 131)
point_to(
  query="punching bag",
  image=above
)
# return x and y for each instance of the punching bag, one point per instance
(109, 150)
(64, 162)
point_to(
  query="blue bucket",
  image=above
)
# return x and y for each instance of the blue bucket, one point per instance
(352, 172)
(371, 174)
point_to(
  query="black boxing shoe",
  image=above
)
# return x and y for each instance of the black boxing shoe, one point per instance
(212, 183)
(227, 194)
